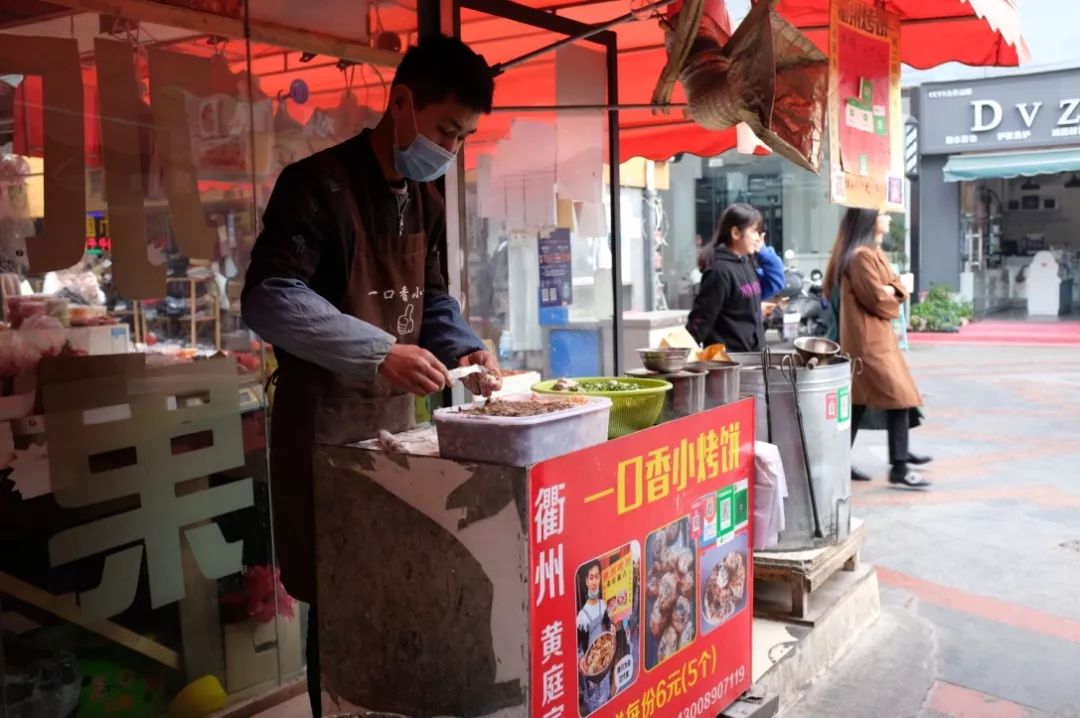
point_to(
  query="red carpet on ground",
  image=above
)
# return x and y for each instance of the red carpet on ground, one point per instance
(1032, 332)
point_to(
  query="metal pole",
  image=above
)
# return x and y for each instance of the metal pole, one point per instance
(615, 186)
(533, 17)
(444, 17)
(569, 40)
(649, 227)
(588, 108)
(455, 189)
(428, 18)
(915, 253)
(915, 217)
(577, 31)
(3, 674)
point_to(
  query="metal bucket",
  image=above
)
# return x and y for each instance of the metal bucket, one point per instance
(825, 397)
(721, 383)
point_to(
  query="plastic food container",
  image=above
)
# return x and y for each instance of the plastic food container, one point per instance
(522, 441)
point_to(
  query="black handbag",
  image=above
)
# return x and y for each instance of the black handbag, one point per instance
(872, 419)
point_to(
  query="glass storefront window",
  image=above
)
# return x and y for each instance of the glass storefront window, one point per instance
(800, 222)
(538, 263)
(135, 537)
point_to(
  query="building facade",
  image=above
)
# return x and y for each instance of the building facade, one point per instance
(998, 183)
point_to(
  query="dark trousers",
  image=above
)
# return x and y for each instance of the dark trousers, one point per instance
(897, 423)
(314, 675)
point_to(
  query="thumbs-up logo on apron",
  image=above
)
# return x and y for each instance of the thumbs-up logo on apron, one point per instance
(405, 323)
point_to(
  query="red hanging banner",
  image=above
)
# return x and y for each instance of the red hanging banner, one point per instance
(865, 113)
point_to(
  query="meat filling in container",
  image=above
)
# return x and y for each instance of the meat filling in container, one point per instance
(522, 440)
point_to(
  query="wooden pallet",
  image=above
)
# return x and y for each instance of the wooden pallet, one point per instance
(806, 571)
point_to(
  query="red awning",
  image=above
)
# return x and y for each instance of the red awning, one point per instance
(974, 32)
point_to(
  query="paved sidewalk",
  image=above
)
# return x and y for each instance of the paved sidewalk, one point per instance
(980, 575)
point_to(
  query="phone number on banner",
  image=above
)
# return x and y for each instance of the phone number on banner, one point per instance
(717, 698)
(680, 682)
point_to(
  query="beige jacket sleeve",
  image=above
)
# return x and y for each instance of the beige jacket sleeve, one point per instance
(867, 277)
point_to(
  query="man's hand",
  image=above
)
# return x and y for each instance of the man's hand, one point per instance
(487, 382)
(415, 370)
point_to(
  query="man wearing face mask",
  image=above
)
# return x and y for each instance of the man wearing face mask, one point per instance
(346, 283)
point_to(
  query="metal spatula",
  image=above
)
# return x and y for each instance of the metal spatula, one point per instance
(463, 371)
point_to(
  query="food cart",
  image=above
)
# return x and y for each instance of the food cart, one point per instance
(611, 580)
(457, 586)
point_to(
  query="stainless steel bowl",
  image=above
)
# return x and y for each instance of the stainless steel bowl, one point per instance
(816, 350)
(665, 361)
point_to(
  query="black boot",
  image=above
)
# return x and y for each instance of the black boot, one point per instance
(917, 460)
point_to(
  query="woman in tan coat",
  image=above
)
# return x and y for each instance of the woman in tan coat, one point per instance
(870, 295)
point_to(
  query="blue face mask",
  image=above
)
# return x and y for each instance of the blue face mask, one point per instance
(422, 160)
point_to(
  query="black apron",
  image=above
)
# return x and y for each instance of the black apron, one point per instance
(314, 406)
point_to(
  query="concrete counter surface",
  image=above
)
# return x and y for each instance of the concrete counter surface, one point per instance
(423, 581)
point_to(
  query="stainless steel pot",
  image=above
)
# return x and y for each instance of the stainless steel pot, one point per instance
(687, 395)
(721, 382)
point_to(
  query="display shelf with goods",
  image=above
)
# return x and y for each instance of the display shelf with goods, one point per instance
(197, 310)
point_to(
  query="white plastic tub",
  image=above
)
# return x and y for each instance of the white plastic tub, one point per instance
(522, 441)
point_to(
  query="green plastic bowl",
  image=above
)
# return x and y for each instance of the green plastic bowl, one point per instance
(630, 410)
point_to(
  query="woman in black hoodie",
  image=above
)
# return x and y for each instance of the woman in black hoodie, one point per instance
(727, 309)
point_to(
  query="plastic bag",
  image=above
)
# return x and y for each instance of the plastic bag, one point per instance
(47, 687)
(767, 75)
(770, 490)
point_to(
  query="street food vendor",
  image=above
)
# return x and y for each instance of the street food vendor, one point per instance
(346, 283)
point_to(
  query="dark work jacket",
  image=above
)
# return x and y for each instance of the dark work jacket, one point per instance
(727, 309)
(307, 236)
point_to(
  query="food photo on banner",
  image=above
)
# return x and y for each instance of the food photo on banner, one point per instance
(670, 592)
(723, 586)
(620, 629)
(607, 626)
(865, 112)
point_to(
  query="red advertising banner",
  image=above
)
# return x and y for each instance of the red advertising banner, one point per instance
(641, 589)
(865, 122)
